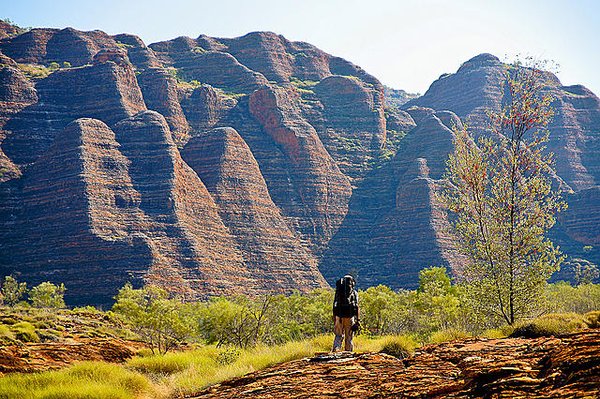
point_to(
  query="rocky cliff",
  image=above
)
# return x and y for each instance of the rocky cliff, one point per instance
(251, 164)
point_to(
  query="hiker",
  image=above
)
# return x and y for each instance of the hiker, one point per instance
(345, 313)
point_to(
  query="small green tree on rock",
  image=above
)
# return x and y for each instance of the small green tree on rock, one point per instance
(48, 295)
(12, 291)
(501, 197)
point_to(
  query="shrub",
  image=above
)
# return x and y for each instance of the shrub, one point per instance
(592, 319)
(550, 324)
(25, 332)
(161, 322)
(400, 346)
(34, 71)
(495, 333)
(48, 295)
(12, 291)
(6, 335)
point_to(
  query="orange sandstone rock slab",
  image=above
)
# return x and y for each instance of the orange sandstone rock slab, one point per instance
(550, 367)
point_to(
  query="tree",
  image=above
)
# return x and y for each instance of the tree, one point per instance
(48, 295)
(502, 201)
(12, 291)
(160, 321)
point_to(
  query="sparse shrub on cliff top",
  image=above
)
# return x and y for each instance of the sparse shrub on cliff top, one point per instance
(34, 71)
(48, 295)
(12, 291)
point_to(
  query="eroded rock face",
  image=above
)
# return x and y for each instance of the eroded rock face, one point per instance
(138, 53)
(389, 236)
(561, 367)
(194, 252)
(274, 255)
(353, 125)
(75, 207)
(322, 188)
(105, 91)
(16, 93)
(42, 46)
(159, 89)
(316, 170)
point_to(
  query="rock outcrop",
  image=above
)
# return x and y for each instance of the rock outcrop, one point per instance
(292, 160)
(277, 259)
(75, 206)
(42, 46)
(552, 367)
(106, 91)
(392, 235)
(323, 190)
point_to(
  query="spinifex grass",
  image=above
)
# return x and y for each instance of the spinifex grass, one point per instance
(87, 380)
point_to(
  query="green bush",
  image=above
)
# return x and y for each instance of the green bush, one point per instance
(6, 335)
(48, 295)
(550, 324)
(592, 319)
(400, 346)
(25, 332)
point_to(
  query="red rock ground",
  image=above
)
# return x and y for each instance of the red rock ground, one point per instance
(549, 367)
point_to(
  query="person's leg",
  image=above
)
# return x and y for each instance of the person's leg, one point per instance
(338, 330)
(348, 333)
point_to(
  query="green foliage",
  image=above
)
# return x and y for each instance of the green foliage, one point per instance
(34, 71)
(89, 380)
(6, 335)
(592, 319)
(585, 271)
(500, 191)
(124, 46)
(66, 64)
(12, 291)
(25, 332)
(400, 346)
(271, 320)
(161, 322)
(550, 324)
(561, 297)
(53, 66)
(47, 295)
(181, 80)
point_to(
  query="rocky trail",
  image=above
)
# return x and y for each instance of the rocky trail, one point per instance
(547, 367)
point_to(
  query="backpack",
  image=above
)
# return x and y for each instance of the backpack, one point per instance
(346, 299)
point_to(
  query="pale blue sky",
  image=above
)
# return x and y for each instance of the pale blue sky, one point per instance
(405, 43)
